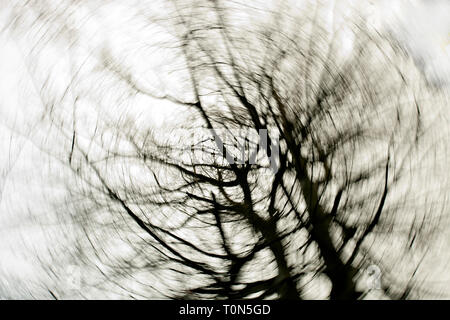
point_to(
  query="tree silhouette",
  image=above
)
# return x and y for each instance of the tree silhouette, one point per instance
(292, 163)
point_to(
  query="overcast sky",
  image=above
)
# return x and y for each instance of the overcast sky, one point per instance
(421, 27)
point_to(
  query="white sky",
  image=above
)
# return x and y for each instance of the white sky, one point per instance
(422, 27)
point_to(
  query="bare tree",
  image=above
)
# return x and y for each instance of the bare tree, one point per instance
(292, 164)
